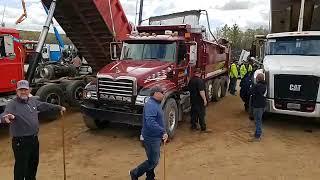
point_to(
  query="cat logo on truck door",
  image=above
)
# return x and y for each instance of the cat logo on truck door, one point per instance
(295, 87)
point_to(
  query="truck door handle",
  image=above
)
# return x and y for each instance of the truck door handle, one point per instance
(13, 81)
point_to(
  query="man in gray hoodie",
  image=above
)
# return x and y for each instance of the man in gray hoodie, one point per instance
(21, 114)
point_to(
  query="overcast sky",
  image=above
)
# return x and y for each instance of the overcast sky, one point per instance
(246, 13)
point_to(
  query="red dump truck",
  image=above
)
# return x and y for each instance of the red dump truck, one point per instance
(160, 56)
(156, 55)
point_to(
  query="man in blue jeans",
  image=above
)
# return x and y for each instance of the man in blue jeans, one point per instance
(258, 92)
(153, 132)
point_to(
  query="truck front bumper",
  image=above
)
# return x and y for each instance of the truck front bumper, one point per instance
(112, 115)
(271, 108)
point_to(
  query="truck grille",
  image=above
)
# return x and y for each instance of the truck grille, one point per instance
(296, 87)
(112, 89)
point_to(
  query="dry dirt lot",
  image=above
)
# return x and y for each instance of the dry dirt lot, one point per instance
(289, 149)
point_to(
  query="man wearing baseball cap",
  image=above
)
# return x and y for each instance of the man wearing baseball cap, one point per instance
(198, 102)
(21, 114)
(153, 132)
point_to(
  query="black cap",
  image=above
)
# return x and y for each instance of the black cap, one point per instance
(155, 89)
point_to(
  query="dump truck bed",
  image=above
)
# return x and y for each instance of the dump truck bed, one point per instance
(285, 15)
(91, 26)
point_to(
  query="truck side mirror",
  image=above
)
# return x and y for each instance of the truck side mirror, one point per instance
(193, 55)
(114, 50)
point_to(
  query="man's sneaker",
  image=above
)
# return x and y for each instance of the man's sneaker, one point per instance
(133, 177)
(255, 139)
(206, 131)
(194, 128)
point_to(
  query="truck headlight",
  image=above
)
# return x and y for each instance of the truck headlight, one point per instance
(141, 100)
(88, 95)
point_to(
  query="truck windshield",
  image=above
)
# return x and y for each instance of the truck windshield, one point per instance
(304, 46)
(159, 50)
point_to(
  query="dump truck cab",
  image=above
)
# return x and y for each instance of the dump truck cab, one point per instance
(291, 62)
(155, 57)
(292, 70)
(12, 58)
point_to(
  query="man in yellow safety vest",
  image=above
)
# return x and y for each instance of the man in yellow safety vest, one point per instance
(245, 68)
(233, 78)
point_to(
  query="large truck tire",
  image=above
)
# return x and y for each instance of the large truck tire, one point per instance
(217, 90)
(47, 72)
(224, 86)
(209, 91)
(93, 123)
(171, 116)
(74, 92)
(50, 93)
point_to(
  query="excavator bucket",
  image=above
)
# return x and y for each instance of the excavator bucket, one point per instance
(92, 25)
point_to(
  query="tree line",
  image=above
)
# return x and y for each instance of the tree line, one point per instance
(51, 39)
(239, 38)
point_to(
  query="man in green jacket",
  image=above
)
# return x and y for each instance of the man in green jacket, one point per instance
(245, 68)
(233, 78)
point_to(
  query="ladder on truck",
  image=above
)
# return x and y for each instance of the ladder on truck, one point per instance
(91, 25)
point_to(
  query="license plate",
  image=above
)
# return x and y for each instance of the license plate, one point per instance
(293, 106)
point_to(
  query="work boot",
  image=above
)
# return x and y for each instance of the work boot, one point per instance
(233, 93)
(194, 128)
(206, 131)
(150, 175)
(133, 177)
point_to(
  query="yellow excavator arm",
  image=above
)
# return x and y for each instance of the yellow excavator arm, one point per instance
(24, 15)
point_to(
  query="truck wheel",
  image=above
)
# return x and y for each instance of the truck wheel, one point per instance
(47, 72)
(224, 86)
(74, 93)
(217, 90)
(209, 91)
(93, 123)
(51, 93)
(171, 116)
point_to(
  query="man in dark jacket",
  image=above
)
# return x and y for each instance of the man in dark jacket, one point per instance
(153, 131)
(258, 92)
(22, 116)
(245, 85)
(198, 101)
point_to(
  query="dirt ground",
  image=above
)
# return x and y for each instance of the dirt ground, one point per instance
(289, 149)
